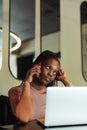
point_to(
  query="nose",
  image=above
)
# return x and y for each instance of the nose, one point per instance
(51, 73)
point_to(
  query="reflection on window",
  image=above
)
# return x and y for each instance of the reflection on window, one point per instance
(84, 38)
(22, 23)
(1, 34)
(50, 25)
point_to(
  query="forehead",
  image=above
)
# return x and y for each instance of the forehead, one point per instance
(52, 62)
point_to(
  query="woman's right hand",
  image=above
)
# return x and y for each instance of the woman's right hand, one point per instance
(34, 71)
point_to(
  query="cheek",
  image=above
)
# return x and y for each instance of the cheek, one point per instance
(53, 78)
(43, 71)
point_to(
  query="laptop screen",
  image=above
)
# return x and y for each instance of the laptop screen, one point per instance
(66, 106)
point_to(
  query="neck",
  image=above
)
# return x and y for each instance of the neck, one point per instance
(37, 84)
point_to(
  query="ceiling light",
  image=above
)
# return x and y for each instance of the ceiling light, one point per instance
(17, 45)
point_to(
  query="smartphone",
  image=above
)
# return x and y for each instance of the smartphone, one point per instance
(59, 73)
(38, 64)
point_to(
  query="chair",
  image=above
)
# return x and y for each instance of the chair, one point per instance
(6, 115)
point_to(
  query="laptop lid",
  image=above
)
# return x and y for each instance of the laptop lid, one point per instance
(66, 106)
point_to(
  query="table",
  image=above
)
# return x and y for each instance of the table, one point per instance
(33, 125)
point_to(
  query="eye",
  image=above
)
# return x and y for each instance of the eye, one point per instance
(55, 73)
(48, 67)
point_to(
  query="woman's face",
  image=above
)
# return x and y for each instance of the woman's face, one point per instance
(49, 70)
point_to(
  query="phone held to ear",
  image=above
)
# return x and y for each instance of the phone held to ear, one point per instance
(59, 72)
(38, 64)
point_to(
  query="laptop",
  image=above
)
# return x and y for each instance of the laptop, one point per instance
(65, 106)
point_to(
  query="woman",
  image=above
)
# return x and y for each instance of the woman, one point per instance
(28, 99)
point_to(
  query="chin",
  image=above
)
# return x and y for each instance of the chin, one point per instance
(50, 84)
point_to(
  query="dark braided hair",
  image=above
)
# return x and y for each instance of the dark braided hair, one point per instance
(45, 55)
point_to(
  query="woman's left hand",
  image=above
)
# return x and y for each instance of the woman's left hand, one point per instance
(62, 76)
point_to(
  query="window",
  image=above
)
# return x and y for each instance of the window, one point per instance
(84, 38)
(1, 21)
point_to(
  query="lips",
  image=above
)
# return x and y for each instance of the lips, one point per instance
(47, 80)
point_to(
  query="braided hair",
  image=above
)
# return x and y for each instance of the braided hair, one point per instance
(45, 55)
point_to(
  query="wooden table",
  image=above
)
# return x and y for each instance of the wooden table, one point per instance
(33, 125)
